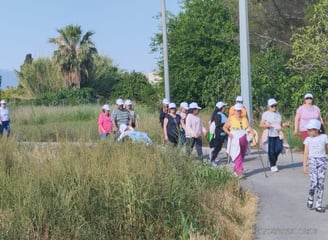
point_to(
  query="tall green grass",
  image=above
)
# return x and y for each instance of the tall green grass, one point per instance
(106, 191)
(74, 186)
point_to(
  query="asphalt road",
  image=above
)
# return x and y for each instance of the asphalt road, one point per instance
(282, 211)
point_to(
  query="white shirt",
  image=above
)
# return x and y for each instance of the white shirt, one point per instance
(4, 114)
(317, 145)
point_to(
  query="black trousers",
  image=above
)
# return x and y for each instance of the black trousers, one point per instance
(275, 148)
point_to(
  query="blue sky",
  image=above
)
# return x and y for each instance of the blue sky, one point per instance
(123, 28)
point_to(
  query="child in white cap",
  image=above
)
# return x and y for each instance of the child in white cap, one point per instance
(315, 162)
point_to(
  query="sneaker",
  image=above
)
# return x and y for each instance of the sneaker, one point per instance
(214, 164)
(320, 209)
(274, 169)
(309, 203)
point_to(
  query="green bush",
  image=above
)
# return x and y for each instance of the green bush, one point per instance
(66, 97)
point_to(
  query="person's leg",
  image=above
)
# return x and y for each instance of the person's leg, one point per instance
(321, 170)
(189, 145)
(7, 126)
(1, 129)
(199, 147)
(278, 149)
(239, 165)
(102, 136)
(214, 144)
(271, 152)
(313, 181)
(182, 138)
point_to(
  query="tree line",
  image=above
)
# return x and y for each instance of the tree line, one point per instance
(288, 42)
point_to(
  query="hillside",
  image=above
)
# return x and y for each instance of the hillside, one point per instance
(9, 79)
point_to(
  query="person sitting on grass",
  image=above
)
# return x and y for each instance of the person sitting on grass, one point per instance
(128, 132)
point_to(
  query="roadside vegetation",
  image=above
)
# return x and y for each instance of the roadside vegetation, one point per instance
(71, 189)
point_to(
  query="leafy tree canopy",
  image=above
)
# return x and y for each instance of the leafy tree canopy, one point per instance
(203, 54)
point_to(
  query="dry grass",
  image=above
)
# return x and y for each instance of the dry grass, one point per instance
(233, 212)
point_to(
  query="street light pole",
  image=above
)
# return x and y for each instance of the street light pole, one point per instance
(245, 65)
(166, 65)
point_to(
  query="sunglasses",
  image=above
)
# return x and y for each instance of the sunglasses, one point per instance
(273, 106)
(309, 98)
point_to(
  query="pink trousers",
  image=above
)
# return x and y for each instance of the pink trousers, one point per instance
(238, 163)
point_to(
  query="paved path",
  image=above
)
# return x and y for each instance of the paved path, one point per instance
(282, 207)
(282, 211)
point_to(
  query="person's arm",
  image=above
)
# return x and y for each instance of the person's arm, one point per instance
(305, 158)
(250, 129)
(100, 124)
(165, 129)
(297, 123)
(136, 120)
(231, 111)
(226, 128)
(264, 124)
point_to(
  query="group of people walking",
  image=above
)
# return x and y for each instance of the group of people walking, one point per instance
(122, 114)
(185, 127)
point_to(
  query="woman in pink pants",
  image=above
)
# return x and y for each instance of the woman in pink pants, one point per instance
(236, 128)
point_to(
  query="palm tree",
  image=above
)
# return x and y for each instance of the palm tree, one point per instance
(74, 55)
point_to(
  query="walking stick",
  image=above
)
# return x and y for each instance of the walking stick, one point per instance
(261, 159)
(228, 160)
(290, 145)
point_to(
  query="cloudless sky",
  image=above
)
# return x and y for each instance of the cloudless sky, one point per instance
(123, 29)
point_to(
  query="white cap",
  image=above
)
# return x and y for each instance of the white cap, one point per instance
(220, 104)
(272, 101)
(313, 124)
(238, 106)
(128, 102)
(106, 107)
(165, 101)
(184, 105)
(119, 101)
(172, 105)
(194, 105)
(239, 99)
(2, 101)
(308, 95)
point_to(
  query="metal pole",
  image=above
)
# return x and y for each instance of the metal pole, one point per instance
(166, 65)
(245, 65)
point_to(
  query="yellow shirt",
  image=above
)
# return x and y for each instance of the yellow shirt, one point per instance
(238, 125)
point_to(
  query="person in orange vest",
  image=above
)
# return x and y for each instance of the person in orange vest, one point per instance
(239, 99)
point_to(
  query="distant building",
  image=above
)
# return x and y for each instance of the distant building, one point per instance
(153, 77)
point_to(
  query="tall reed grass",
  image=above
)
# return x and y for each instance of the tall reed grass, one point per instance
(68, 188)
(115, 191)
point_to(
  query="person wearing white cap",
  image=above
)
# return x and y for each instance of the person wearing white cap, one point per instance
(120, 116)
(315, 162)
(163, 111)
(194, 130)
(104, 122)
(304, 113)
(132, 112)
(236, 127)
(4, 118)
(218, 119)
(172, 125)
(239, 99)
(183, 111)
(271, 122)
